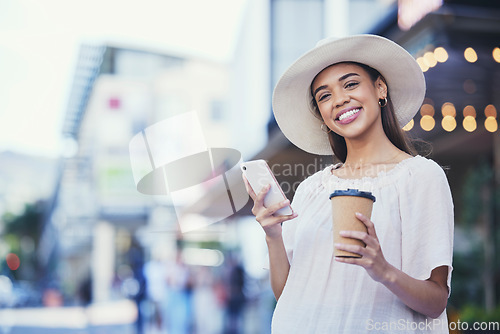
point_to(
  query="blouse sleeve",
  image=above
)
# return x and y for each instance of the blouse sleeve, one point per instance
(427, 222)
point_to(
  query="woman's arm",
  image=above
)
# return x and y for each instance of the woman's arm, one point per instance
(428, 297)
(278, 260)
(278, 264)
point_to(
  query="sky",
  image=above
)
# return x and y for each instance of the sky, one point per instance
(39, 41)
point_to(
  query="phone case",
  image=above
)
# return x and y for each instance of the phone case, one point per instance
(259, 175)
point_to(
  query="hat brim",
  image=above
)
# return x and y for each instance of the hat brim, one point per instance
(292, 97)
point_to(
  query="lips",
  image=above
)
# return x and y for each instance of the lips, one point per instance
(348, 115)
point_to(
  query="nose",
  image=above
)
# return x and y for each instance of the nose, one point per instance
(341, 98)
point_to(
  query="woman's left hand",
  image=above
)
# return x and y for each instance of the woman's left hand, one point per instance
(372, 258)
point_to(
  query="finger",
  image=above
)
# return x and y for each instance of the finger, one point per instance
(266, 219)
(358, 235)
(248, 187)
(351, 248)
(368, 223)
(350, 260)
(284, 218)
(258, 203)
(292, 216)
(275, 207)
(271, 210)
(262, 193)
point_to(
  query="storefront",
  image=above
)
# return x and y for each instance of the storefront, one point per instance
(458, 49)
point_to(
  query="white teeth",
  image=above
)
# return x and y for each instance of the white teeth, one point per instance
(349, 113)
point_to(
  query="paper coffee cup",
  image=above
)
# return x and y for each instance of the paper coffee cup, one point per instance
(345, 204)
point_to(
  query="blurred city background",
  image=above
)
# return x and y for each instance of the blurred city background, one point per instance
(83, 251)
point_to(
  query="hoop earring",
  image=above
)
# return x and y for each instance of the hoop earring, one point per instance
(382, 102)
(323, 129)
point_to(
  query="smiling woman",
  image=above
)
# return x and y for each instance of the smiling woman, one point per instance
(368, 78)
(350, 97)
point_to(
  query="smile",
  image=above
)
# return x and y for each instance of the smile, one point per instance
(348, 116)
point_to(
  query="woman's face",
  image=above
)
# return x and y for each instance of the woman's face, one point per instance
(347, 99)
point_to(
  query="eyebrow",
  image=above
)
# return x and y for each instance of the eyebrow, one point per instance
(345, 76)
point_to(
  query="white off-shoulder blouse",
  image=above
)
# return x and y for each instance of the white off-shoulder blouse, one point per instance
(413, 217)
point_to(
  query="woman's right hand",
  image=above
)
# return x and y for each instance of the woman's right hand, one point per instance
(271, 224)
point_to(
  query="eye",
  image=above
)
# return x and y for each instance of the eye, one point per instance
(351, 84)
(323, 97)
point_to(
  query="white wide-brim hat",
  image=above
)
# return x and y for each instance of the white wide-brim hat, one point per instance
(292, 97)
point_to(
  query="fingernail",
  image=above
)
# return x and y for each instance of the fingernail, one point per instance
(337, 245)
(343, 232)
(358, 214)
(285, 202)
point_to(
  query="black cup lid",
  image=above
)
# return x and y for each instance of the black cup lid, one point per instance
(353, 192)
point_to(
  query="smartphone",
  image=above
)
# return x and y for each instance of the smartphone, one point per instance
(259, 175)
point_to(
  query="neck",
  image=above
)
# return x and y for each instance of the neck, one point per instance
(374, 149)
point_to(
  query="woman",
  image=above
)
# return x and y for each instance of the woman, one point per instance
(350, 97)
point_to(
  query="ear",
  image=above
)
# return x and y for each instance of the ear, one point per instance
(381, 87)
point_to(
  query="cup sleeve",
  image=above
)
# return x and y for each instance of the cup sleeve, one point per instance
(427, 223)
